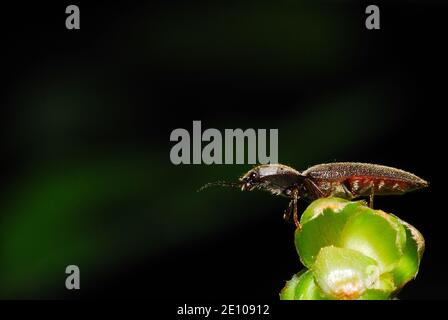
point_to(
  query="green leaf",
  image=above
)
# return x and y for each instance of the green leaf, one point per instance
(332, 221)
(323, 226)
(345, 274)
(376, 235)
(407, 267)
(318, 206)
(302, 287)
(375, 294)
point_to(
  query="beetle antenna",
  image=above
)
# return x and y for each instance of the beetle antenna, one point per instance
(220, 184)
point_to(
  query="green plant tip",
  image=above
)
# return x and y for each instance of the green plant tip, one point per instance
(351, 251)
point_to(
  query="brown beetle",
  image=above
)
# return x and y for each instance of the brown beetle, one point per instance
(346, 180)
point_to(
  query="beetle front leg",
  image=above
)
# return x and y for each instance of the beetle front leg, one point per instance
(295, 216)
(287, 212)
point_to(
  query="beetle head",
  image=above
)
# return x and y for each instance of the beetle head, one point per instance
(275, 178)
(250, 180)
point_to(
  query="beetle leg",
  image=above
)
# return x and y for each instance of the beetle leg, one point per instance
(372, 194)
(347, 193)
(313, 189)
(287, 212)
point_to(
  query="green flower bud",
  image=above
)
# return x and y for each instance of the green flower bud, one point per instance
(353, 252)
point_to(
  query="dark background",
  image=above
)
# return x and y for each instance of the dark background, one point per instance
(86, 118)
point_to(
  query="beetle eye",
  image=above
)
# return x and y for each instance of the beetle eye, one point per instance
(253, 175)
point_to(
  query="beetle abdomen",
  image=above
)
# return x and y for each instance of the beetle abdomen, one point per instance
(364, 186)
(362, 179)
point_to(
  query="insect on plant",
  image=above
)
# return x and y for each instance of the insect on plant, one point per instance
(346, 180)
